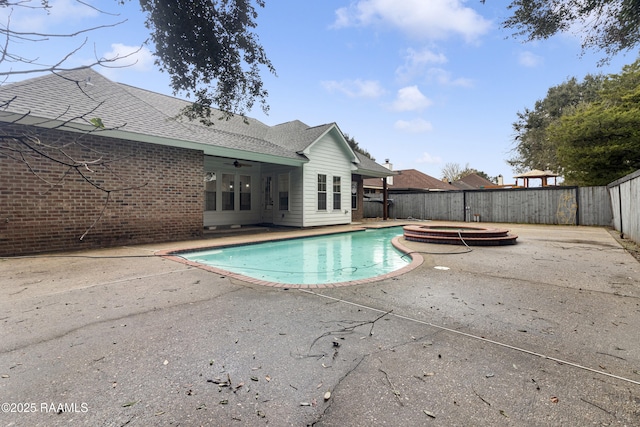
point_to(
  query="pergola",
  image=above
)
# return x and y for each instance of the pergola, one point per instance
(537, 174)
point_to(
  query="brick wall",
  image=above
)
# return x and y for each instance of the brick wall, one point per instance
(156, 194)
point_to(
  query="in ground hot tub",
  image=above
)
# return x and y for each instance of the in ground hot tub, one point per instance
(459, 235)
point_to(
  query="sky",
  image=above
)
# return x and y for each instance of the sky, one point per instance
(421, 83)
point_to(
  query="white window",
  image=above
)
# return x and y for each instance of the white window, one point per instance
(337, 194)
(210, 185)
(322, 192)
(245, 192)
(283, 192)
(268, 192)
(228, 192)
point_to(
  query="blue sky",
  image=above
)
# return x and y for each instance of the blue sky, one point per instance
(422, 83)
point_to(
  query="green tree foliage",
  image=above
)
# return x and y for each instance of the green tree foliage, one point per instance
(210, 52)
(207, 47)
(599, 142)
(612, 26)
(534, 149)
(356, 147)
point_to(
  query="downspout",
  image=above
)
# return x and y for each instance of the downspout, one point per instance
(385, 200)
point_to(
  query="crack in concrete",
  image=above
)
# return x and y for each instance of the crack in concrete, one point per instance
(113, 319)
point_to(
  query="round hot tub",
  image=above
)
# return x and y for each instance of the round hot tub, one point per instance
(459, 235)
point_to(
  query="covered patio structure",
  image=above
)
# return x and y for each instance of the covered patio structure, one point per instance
(537, 174)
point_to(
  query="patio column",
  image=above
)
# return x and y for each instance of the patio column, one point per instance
(385, 200)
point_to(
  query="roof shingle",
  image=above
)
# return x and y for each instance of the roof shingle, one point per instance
(79, 95)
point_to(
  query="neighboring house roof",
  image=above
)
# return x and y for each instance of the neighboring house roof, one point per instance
(70, 99)
(472, 182)
(411, 179)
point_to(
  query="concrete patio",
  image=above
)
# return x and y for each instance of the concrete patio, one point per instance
(542, 333)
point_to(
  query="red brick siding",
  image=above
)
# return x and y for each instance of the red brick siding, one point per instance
(158, 197)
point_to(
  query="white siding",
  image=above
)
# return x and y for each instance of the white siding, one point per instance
(293, 216)
(328, 156)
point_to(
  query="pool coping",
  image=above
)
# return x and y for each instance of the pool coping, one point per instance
(174, 255)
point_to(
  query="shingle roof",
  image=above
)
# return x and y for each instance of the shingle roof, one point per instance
(295, 134)
(77, 96)
(133, 111)
(472, 182)
(368, 167)
(412, 179)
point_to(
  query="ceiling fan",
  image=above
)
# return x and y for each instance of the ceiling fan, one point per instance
(237, 164)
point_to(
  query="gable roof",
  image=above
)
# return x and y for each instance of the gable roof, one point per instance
(411, 179)
(472, 181)
(69, 100)
(369, 168)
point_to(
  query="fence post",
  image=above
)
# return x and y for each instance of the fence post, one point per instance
(577, 205)
(620, 207)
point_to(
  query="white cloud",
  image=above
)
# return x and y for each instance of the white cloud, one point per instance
(63, 10)
(410, 99)
(429, 159)
(413, 126)
(443, 77)
(424, 56)
(357, 88)
(432, 20)
(415, 63)
(138, 58)
(131, 58)
(529, 59)
(29, 16)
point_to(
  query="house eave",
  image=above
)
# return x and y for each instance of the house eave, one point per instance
(367, 173)
(207, 149)
(333, 128)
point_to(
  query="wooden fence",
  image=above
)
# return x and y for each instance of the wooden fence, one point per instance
(625, 201)
(544, 205)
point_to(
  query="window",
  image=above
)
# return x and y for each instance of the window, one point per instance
(354, 195)
(283, 192)
(268, 192)
(245, 192)
(228, 192)
(322, 192)
(337, 195)
(210, 184)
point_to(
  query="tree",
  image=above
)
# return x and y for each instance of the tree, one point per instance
(612, 26)
(210, 52)
(534, 149)
(206, 46)
(453, 172)
(14, 38)
(356, 147)
(54, 159)
(599, 142)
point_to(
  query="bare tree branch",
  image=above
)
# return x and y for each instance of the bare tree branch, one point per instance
(27, 147)
(10, 36)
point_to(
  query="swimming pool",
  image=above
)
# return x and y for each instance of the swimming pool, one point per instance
(318, 260)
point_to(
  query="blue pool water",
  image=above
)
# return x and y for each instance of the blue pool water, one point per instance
(325, 259)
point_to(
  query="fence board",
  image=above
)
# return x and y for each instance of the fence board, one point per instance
(545, 205)
(625, 201)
